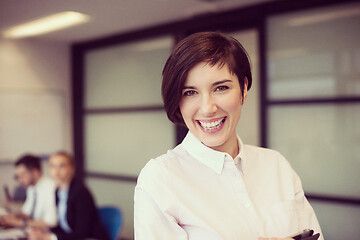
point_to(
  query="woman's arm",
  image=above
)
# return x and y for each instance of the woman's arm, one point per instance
(306, 214)
(151, 223)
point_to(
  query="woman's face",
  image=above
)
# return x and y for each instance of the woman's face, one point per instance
(211, 105)
(60, 169)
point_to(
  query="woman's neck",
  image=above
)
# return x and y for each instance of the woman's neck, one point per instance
(64, 185)
(231, 147)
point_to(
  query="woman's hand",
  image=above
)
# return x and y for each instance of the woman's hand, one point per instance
(38, 234)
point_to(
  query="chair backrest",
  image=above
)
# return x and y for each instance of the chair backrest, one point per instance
(111, 218)
(19, 194)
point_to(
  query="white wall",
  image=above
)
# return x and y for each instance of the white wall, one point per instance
(37, 67)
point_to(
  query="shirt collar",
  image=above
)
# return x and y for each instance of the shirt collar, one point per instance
(207, 156)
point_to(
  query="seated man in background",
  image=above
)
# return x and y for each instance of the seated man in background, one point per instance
(39, 207)
(78, 216)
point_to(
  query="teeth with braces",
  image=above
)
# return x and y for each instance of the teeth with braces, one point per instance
(211, 125)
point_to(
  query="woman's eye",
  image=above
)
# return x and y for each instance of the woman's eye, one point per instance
(189, 93)
(222, 88)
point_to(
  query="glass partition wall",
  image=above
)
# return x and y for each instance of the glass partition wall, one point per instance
(125, 124)
(313, 60)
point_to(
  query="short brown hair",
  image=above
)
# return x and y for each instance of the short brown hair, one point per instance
(209, 47)
(30, 162)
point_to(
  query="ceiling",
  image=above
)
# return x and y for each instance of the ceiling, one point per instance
(110, 17)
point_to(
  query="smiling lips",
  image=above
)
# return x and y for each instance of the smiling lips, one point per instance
(213, 125)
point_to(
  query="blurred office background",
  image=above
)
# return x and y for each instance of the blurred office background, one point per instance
(94, 90)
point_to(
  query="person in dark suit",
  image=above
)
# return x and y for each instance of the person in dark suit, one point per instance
(78, 216)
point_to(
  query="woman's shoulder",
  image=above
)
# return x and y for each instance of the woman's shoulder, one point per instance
(265, 155)
(79, 188)
(159, 168)
(157, 164)
(255, 150)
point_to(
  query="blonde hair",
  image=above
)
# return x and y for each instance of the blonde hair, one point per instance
(66, 155)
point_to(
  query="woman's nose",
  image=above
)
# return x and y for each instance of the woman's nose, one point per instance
(208, 106)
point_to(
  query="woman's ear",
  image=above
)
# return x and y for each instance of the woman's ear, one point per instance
(245, 90)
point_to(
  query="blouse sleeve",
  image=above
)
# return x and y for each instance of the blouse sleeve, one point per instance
(306, 214)
(153, 218)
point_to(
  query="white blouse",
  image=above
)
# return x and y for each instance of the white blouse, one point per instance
(194, 192)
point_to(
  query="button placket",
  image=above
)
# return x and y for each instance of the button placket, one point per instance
(240, 193)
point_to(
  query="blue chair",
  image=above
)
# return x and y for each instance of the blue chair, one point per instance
(111, 218)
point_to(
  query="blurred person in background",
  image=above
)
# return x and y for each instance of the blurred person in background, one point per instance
(78, 216)
(39, 207)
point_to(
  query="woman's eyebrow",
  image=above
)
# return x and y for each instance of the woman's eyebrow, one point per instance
(188, 87)
(213, 84)
(221, 82)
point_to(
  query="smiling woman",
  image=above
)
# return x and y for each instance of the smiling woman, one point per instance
(212, 186)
